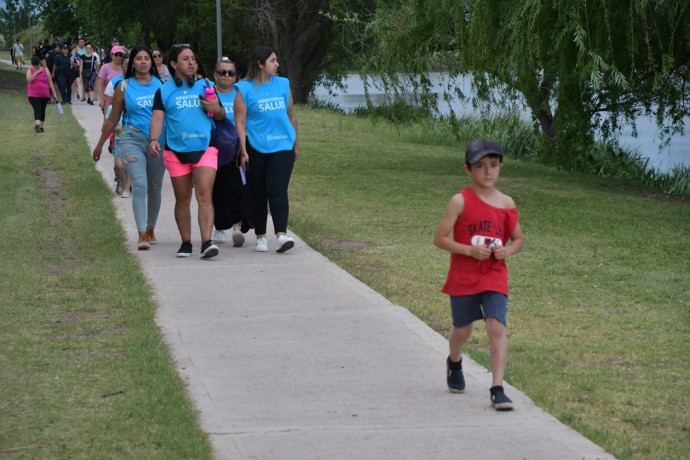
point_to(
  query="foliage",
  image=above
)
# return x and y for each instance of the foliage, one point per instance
(520, 140)
(582, 68)
(307, 34)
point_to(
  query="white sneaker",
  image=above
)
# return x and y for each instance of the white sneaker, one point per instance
(261, 244)
(219, 236)
(237, 237)
(125, 194)
(285, 243)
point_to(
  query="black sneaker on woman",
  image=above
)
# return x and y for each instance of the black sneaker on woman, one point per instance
(185, 250)
(208, 249)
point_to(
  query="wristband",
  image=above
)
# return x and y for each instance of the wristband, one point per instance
(151, 140)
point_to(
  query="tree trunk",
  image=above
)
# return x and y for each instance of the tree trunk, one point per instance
(304, 35)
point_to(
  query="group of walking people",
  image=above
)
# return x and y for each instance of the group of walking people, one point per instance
(168, 125)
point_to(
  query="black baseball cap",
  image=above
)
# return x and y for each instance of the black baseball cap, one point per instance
(481, 148)
(114, 40)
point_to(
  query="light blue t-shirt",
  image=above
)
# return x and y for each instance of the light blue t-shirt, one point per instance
(188, 127)
(268, 126)
(139, 103)
(228, 101)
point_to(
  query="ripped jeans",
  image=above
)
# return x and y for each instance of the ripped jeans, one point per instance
(145, 173)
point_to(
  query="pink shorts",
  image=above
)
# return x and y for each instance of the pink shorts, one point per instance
(176, 168)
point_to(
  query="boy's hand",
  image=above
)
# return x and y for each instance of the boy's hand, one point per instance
(500, 253)
(481, 252)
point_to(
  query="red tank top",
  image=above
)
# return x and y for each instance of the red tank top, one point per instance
(479, 223)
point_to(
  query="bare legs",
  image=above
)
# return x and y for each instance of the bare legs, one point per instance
(202, 178)
(498, 346)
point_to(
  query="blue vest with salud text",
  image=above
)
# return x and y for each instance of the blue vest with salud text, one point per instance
(188, 127)
(269, 129)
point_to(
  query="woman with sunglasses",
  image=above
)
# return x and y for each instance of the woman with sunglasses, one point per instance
(267, 129)
(134, 98)
(230, 202)
(107, 72)
(163, 72)
(188, 156)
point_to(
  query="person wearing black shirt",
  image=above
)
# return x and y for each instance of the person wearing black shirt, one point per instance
(62, 68)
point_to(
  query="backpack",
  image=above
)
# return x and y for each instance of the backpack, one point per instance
(224, 138)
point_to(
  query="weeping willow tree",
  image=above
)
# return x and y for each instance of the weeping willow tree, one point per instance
(582, 67)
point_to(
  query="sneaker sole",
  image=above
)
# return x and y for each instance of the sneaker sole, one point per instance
(209, 252)
(183, 254)
(143, 246)
(502, 406)
(286, 246)
(455, 390)
(237, 240)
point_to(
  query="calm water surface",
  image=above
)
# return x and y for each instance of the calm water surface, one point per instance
(647, 141)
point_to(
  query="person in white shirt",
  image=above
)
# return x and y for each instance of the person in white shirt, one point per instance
(18, 50)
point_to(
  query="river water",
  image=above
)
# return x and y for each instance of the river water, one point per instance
(647, 143)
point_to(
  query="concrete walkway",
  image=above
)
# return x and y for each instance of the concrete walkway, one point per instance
(287, 356)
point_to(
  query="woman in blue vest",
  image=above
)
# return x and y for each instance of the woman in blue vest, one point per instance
(134, 97)
(267, 129)
(188, 156)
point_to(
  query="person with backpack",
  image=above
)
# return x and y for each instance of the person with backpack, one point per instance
(133, 100)
(89, 71)
(230, 198)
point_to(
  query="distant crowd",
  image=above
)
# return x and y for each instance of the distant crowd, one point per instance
(73, 63)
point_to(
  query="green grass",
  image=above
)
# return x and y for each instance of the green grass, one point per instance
(599, 319)
(84, 371)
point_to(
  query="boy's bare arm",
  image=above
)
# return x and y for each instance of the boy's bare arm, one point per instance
(517, 242)
(442, 238)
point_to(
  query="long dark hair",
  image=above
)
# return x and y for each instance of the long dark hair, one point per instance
(136, 50)
(260, 54)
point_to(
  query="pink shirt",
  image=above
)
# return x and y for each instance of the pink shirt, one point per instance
(107, 73)
(39, 87)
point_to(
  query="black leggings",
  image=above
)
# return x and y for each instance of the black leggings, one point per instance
(268, 178)
(39, 105)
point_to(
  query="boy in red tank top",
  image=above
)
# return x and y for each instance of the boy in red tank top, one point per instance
(485, 231)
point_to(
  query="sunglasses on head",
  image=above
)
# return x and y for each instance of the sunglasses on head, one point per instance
(226, 73)
(181, 45)
(118, 54)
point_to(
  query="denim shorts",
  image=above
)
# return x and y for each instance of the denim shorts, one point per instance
(467, 309)
(117, 151)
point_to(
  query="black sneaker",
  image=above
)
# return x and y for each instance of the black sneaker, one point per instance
(454, 377)
(185, 250)
(499, 400)
(208, 249)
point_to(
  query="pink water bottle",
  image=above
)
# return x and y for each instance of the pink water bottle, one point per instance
(210, 95)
